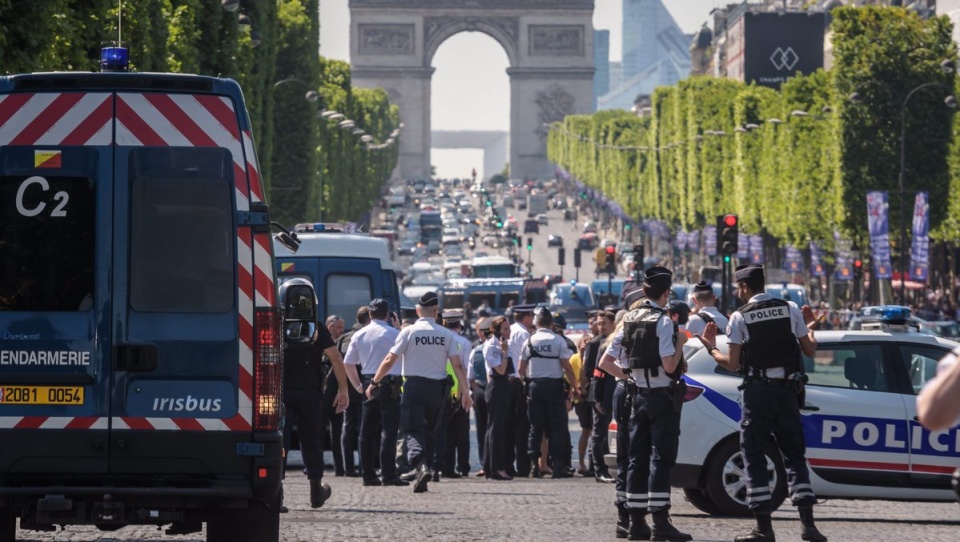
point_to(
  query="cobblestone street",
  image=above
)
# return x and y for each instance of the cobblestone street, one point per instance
(575, 509)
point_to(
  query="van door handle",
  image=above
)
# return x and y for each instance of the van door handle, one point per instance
(810, 407)
(135, 357)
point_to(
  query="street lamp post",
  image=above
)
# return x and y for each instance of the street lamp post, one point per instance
(951, 102)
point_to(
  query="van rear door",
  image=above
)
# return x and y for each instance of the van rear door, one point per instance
(55, 189)
(180, 396)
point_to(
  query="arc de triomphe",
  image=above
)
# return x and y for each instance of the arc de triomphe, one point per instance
(549, 44)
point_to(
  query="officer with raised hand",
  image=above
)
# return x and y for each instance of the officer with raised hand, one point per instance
(650, 347)
(544, 360)
(424, 348)
(368, 347)
(766, 337)
(517, 438)
(705, 301)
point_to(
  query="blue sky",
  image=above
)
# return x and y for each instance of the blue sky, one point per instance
(471, 70)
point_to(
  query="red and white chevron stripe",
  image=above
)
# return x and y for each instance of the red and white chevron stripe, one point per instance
(56, 118)
(43, 422)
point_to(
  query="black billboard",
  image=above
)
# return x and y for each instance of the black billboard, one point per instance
(778, 46)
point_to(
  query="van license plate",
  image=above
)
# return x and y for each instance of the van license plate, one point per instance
(41, 395)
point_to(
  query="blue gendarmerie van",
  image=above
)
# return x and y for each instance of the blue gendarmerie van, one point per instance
(140, 348)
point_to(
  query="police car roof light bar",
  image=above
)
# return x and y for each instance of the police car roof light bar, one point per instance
(886, 318)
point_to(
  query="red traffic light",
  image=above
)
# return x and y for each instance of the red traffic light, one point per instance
(611, 250)
(729, 220)
(857, 263)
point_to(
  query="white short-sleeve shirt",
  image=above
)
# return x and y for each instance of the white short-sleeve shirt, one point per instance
(737, 328)
(369, 345)
(424, 349)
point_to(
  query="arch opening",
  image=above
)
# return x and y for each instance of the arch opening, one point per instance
(470, 107)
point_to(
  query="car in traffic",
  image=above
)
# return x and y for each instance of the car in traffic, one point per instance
(433, 247)
(554, 240)
(531, 226)
(573, 300)
(859, 420)
(542, 219)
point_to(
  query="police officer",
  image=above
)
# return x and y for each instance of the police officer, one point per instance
(368, 347)
(456, 420)
(544, 360)
(600, 397)
(517, 438)
(477, 376)
(349, 438)
(304, 344)
(653, 351)
(500, 371)
(705, 302)
(424, 349)
(766, 337)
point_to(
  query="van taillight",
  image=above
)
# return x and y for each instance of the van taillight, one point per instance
(268, 369)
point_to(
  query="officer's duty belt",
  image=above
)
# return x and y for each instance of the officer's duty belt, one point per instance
(651, 391)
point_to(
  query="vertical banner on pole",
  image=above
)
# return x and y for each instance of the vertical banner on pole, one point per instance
(756, 248)
(743, 248)
(793, 262)
(920, 248)
(816, 261)
(710, 240)
(878, 225)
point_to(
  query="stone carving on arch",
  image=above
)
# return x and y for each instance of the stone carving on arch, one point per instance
(555, 103)
(506, 30)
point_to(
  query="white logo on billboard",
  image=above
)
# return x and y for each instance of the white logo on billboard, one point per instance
(784, 59)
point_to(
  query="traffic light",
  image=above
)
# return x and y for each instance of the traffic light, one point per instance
(561, 257)
(857, 269)
(529, 243)
(576, 258)
(611, 260)
(728, 227)
(638, 256)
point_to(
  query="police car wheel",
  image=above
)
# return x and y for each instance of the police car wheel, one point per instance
(8, 527)
(701, 500)
(726, 479)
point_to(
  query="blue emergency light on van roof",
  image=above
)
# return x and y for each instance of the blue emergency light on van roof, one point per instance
(114, 59)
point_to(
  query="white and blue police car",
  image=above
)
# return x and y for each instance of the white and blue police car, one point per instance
(859, 419)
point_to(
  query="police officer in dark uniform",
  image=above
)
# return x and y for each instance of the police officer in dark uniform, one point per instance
(601, 396)
(519, 333)
(544, 361)
(477, 375)
(350, 435)
(653, 351)
(766, 337)
(424, 348)
(304, 344)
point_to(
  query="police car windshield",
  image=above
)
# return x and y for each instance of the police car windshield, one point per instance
(47, 225)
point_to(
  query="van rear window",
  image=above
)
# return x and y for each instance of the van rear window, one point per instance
(47, 210)
(347, 293)
(182, 233)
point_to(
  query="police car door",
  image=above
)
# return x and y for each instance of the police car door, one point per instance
(855, 417)
(177, 398)
(55, 193)
(934, 455)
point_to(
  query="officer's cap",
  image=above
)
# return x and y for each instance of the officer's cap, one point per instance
(750, 271)
(452, 314)
(679, 307)
(559, 321)
(632, 296)
(484, 323)
(702, 286)
(429, 299)
(379, 305)
(523, 309)
(657, 276)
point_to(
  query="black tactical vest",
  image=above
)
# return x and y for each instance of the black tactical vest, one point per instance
(640, 341)
(771, 341)
(302, 369)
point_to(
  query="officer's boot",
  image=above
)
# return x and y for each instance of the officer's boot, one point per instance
(638, 525)
(319, 493)
(810, 531)
(623, 520)
(763, 532)
(663, 528)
